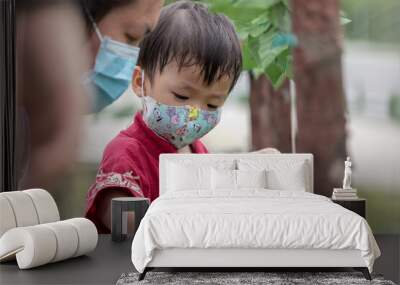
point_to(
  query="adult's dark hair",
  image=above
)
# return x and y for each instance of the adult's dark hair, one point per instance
(97, 9)
(191, 35)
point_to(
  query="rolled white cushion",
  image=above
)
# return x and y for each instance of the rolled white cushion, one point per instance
(40, 244)
(33, 246)
(23, 208)
(26, 208)
(45, 205)
(67, 240)
(7, 218)
(87, 234)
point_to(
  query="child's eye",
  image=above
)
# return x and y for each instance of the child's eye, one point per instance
(212, 106)
(130, 39)
(180, 97)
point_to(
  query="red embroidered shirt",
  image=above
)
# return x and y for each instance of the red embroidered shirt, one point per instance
(130, 162)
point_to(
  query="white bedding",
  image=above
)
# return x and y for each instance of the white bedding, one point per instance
(252, 218)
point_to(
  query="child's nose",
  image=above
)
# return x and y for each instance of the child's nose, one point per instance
(198, 105)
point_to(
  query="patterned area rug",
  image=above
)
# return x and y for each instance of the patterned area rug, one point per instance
(243, 278)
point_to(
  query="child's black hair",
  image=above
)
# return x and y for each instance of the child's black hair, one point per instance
(191, 35)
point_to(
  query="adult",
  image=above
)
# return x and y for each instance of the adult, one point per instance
(115, 28)
(51, 63)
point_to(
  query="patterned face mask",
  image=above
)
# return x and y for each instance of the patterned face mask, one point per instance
(180, 125)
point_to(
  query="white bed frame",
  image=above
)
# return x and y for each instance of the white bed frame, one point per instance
(246, 257)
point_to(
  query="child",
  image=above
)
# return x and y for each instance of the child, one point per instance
(188, 66)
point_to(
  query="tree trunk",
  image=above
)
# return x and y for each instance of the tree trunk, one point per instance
(320, 96)
(270, 115)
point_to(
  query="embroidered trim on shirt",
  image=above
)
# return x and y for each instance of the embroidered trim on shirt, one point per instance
(115, 179)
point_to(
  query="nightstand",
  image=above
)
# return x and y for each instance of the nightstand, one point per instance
(120, 209)
(358, 205)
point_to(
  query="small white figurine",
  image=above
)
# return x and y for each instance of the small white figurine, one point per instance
(347, 174)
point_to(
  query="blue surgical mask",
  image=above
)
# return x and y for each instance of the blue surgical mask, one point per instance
(180, 125)
(113, 70)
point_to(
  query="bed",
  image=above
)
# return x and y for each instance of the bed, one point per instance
(246, 211)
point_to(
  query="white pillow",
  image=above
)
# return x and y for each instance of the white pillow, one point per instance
(282, 174)
(192, 174)
(187, 177)
(291, 178)
(223, 179)
(251, 178)
(228, 179)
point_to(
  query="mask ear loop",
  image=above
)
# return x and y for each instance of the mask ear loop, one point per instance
(95, 27)
(144, 107)
(142, 83)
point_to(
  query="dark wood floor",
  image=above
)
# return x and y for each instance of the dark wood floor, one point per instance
(110, 260)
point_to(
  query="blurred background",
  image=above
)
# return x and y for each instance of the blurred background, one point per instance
(344, 57)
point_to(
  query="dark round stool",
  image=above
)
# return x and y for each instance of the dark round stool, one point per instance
(120, 208)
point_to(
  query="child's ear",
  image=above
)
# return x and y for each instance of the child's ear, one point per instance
(137, 81)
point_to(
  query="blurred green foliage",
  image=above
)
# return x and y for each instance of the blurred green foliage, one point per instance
(394, 107)
(264, 29)
(372, 20)
(383, 211)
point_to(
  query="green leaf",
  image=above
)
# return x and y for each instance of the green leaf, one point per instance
(277, 71)
(237, 13)
(256, 4)
(267, 53)
(249, 56)
(253, 47)
(289, 70)
(284, 39)
(279, 16)
(343, 18)
(259, 26)
(344, 21)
